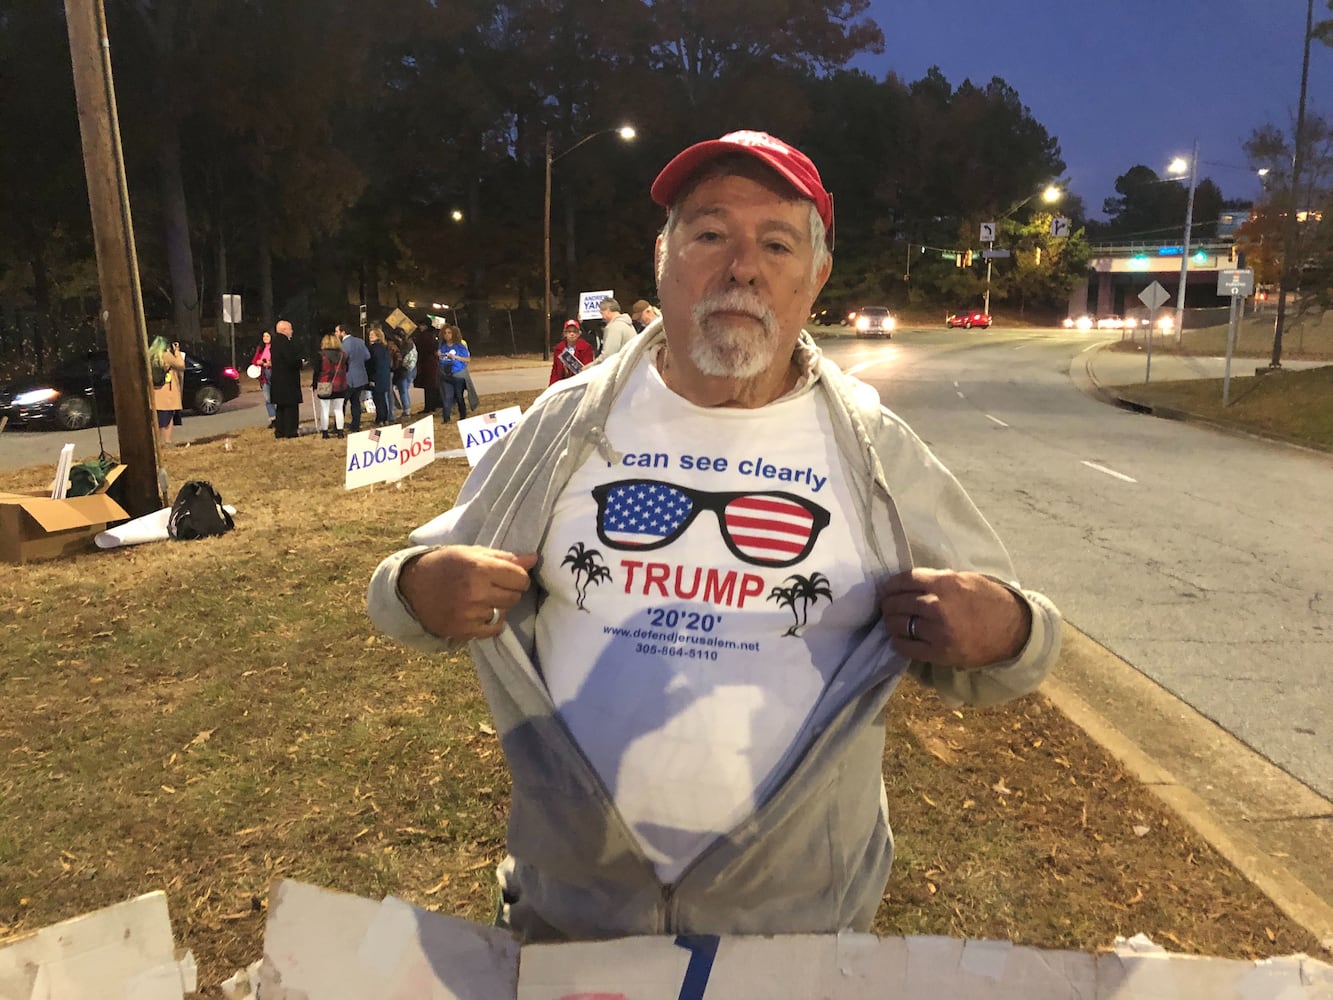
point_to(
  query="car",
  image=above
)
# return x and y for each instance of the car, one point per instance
(1081, 322)
(968, 319)
(829, 316)
(78, 393)
(874, 321)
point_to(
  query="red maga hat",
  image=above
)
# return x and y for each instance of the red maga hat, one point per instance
(572, 323)
(790, 163)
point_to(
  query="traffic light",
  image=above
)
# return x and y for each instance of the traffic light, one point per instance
(958, 259)
(967, 259)
(1038, 260)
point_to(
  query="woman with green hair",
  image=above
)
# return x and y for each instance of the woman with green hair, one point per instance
(166, 362)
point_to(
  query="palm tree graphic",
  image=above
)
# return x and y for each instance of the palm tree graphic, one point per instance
(805, 590)
(586, 565)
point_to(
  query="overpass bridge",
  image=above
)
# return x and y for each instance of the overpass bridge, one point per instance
(1118, 272)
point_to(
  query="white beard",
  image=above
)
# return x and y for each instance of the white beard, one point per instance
(733, 350)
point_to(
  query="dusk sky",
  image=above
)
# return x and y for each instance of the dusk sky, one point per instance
(1120, 82)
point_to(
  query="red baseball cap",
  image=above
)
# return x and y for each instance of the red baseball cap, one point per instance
(790, 163)
(572, 323)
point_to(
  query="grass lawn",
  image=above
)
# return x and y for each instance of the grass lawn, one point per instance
(205, 717)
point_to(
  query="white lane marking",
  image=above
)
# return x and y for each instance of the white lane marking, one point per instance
(1110, 472)
(1019, 347)
(997, 420)
(955, 385)
(961, 396)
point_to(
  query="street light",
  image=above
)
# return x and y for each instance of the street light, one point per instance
(1177, 167)
(1049, 194)
(626, 133)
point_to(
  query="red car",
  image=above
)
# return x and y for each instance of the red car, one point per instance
(967, 320)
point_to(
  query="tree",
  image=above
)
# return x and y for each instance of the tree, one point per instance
(1151, 209)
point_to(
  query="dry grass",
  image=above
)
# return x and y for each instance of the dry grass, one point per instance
(204, 717)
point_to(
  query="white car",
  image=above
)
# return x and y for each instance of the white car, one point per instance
(874, 321)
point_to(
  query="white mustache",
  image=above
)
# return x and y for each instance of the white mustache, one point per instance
(736, 300)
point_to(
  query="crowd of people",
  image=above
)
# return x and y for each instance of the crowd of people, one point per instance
(381, 370)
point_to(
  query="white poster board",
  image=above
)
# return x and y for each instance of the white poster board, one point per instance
(590, 303)
(482, 431)
(385, 454)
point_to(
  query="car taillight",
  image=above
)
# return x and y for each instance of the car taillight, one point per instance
(231, 373)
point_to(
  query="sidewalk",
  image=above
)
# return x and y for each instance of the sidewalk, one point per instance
(1275, 830)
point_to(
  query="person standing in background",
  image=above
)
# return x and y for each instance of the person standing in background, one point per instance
(286, 386)
(406, 372)
(380, 370)
(357, 355)
(618, 330)
(642, 313)
(571, 355)
(167, 364)
(427, 342)
(453, 366)
(330, 384)
(264, 361)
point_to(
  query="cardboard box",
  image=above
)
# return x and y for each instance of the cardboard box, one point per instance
(35, 527)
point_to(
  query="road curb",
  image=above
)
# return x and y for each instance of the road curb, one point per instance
(1087, 381)
(1228, 794)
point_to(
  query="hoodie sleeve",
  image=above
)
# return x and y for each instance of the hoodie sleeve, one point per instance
(945, 530)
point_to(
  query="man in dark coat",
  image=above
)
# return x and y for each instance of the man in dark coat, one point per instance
(428, 370)
(285, 382)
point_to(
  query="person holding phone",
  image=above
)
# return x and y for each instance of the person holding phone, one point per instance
(167, 364)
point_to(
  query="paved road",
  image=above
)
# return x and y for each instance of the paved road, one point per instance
(1199, 557)
(22, 448)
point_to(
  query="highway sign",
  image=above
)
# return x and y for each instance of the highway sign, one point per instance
(1235, 282)
(1059, 226)
(994, 254)
(1154, 295)
(988, 232)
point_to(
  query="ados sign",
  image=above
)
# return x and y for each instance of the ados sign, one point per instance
(386, 454)
(480, 432)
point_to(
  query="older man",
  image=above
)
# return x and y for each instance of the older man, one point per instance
(688, 631)
(285, 382)
(618, 330)
(643, 314)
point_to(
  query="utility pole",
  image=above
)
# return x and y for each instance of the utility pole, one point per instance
(546, 253)
(117, 264)
(1285, 275)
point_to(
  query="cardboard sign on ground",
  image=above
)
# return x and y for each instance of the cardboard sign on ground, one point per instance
(125, 950)
(322, 945)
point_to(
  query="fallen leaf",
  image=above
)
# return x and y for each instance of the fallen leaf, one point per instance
(1138, 898)
(168, 789)
(201, 737)
(438, 886)
(486, 729)
(1001, 788)
(1271, 936)
(1141, 831)
(929, 802)
(932, 887)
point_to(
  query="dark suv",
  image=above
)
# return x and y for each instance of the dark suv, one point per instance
(78, 393)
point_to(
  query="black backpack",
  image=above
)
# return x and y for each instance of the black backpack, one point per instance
(198, 512)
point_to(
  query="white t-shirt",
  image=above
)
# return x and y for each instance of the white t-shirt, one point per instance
(701, 594)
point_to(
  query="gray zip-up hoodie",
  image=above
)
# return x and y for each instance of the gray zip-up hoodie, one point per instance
(815, 855)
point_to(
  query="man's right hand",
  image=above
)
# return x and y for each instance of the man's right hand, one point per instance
(454, 591)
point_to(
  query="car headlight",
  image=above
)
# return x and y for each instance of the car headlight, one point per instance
(1084, 323)
(1068, 322)
(889, 323)
(35, 396)
(863, 322)
(1167, 322)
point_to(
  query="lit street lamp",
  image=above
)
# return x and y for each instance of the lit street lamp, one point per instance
(1049, 194)
(1177, 167)
(625, 132)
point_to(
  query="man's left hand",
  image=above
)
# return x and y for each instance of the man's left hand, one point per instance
(954, 619)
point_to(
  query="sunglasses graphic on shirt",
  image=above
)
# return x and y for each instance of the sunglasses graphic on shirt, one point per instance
(762, 528)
